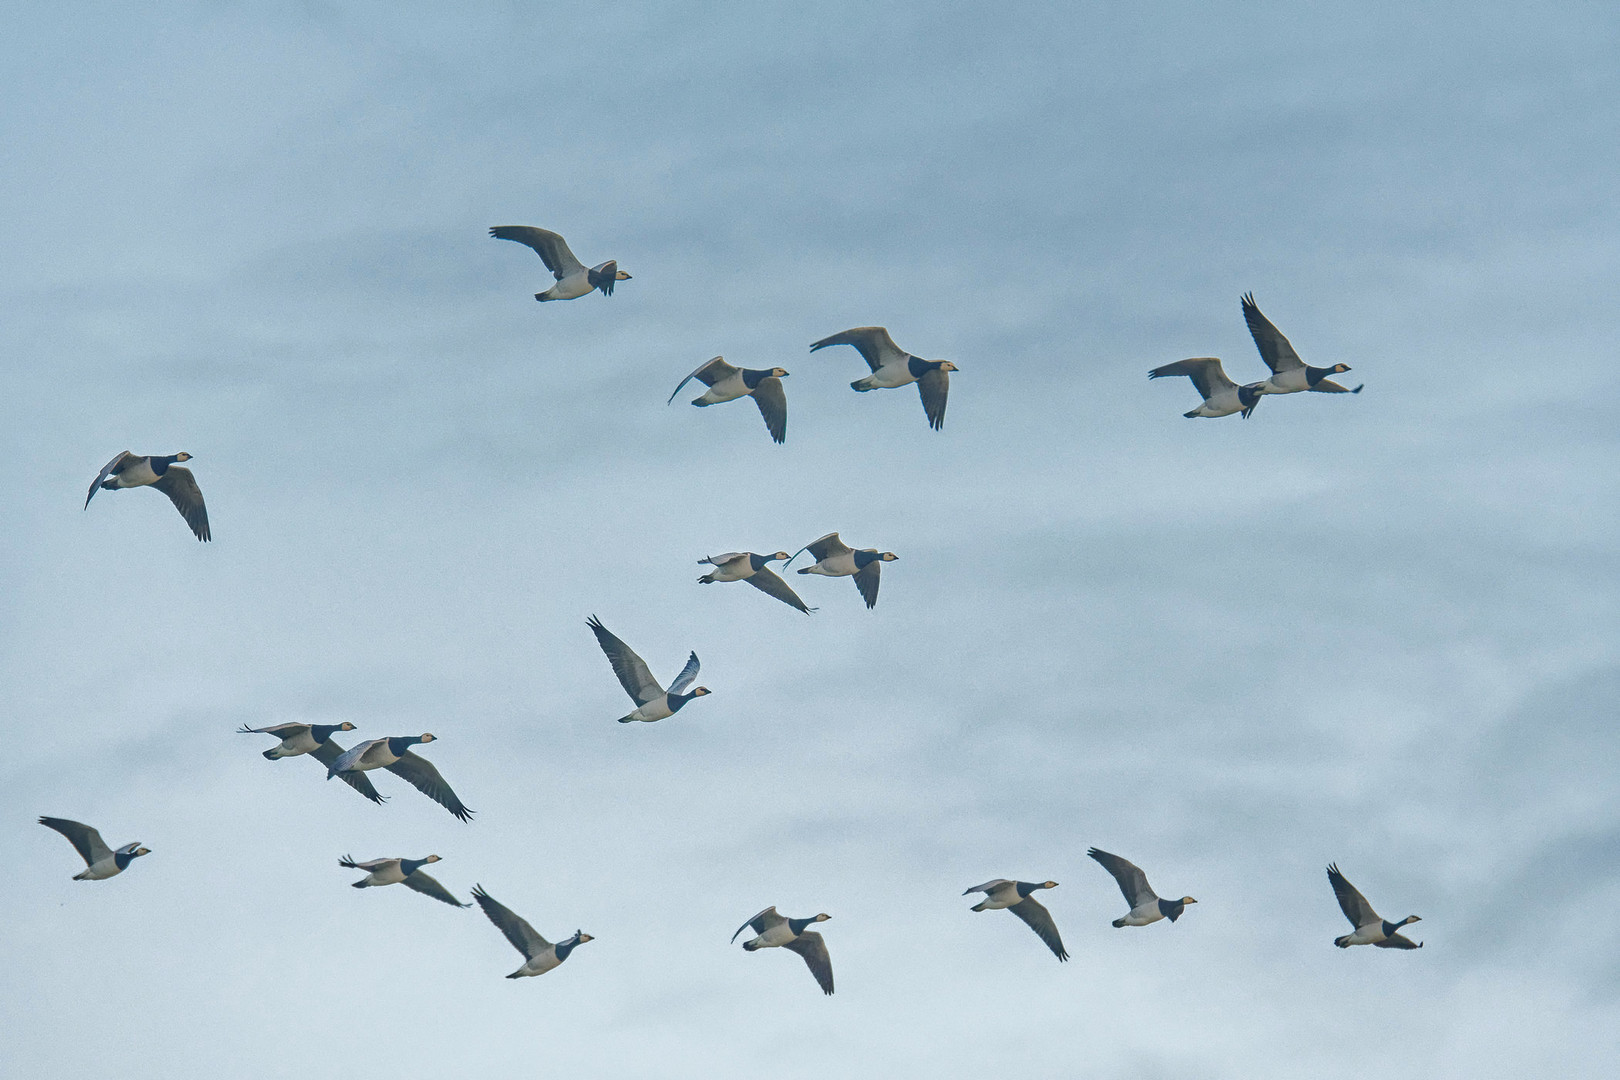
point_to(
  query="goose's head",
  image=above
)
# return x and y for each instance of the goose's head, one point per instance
(425, 737)
(620, 276)
(134, 849)
(823, 917)
(432, 858)
(1339, 369)
(699, 691)
(182, 456)
(888, 556)
(780, 556)
(780, 373)
(345, 726)
(1410, 919)
(580, 937)
(1187, 900)
(1047, 885)
(946, 365)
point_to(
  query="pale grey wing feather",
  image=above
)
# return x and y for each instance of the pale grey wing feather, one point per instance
(1040, 920)
(768, 583)
(688, 673)
(328, 752)
(813, 947)
(280, 731)
(522, 936)
(552, 249)
(106, 471)
(820, 549)
(429, 886)
(1275, 350)
(181, 488)
(759, 922)
(934, 387)
(1205, 372)
(85, 840)
(772, 402)
(369, 864)
(874, 344)
(1328, 386)
(632, 670)
(987, 887)
(708, 374)
(1133, 884)
(1351, 902)
(421, 774)
(1398, 941)
(867, 580)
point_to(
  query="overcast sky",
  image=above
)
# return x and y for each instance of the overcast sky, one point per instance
(1382, 630)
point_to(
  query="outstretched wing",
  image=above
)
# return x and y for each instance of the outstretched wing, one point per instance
(1328, 386)
(1398, 941)
(1040, 920)
(813, 947)
(1205, 372)
(688, 673)
(759, 922)
(328, 752)
(106, 471)
(426, 779)
(766, 581)
(181, 488)
(429, 886)
(874, 344)
(1351, 902)
(772, 402)
(1132, 882)
(280, 731)
(631, 669)
(370, 864)
(827, 547)
(867, 579)
(708, 374)
(934, 386)
(517, 931)
(1274, 348)
(85, 840)
(552, 249)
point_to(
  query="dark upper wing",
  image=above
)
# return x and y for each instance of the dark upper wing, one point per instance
(328, 752)
(759, 922)
(552, 249)
(1351, 902)
(181, 488)
(813, 947)
(1040, 920)
(1274, 348)
(827, 546)
(1328, 386)
(280, 731)
(106, 471)
(867, 579)
(687, 675)
(1398, 941)
(934, 386)
(1133, 884)
(84, 839)
(517, 931)
(426, 779)
(766, 581)
(1205, 372)
(874, 344)
(772, 402)
(631, 669)
(708, 374)
(429, 886)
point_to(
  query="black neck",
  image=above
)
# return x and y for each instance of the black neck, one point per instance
(1025, 888)
(752, 378)
(757, 561)
(321, 732)
(798, 925)
(563, 948)
(920, 367)
(1314, 375)
(1171, 909)
(865, 558)
(1247, 397)
(399, 744)
(411, 866)
(123, 858)
(160, 465)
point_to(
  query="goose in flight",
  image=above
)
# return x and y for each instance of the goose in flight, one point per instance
(158, 471)
(834, 558)
(1017, 897)
(652, 701)
(746, 566)
(573, 279)
(396, 756)
(539, 955)
(1370, 928)
(316, 741)
(1222, 396)
(1289, 374)
(774, 931)
(727, 383)
(1146, 907)
(401, 871)
(892, 366)
(100, 861)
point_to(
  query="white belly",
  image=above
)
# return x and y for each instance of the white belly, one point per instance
(891, 376)
(730, 388)
(571, 287)
(99, 871)
(1004, 897)
(136, 476)
(656, 709)
(1142, 916)
(386, 875)
(774, 938)
(836, 566)
(541, 964)
(1223, 404)
(735, 570)
(1288, 382)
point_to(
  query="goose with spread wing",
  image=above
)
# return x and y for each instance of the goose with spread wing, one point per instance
(1146, 907)
(892, 366)
(100, 861)
(407, 872)
(539, 955)
(1289, 374)
(1371, 929)
(653, 702)
(1222, 396)
(1018, 897)
(773, 931)
(158, 471)
(574, 279)
(396, 756)
(834, 558)
(727, 383)
(316, 741)
(754, 569)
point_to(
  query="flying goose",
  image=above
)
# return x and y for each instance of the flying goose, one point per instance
(1289, 374)
(746, 566)
(100, 861)
(316, 741)
(1222, 396)
(158, 471)
(652, 702)
(1370, 929)
(1146, 907)
(727, 383)
(539, 955)
(773, 931)
(892, 366)
(834, 558)
(396, 756)
(573, 279)
(401, 871)
(1017, 897)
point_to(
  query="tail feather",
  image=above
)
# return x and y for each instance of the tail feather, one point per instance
(1119, 923)
(270, 754)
